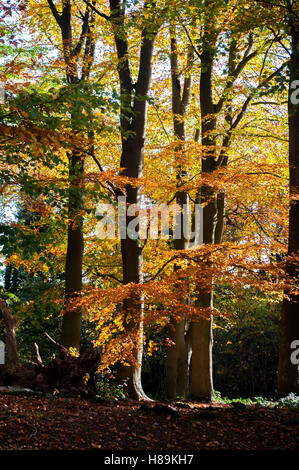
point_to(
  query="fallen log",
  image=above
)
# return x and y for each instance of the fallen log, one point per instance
(69, 374)
(66, 374)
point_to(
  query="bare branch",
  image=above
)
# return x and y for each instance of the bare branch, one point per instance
(109, 276)
(55, 12)
(38, 356)
(102, 15)
(161, 122)
(249, 98)
(59, 346)
(162, 268)
(279, 5)
(259, 223)
(191, 42)
(240, 67)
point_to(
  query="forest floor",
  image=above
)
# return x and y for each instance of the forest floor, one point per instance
(39, 423)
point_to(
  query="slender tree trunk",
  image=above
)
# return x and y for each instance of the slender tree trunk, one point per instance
(133, 124)
(71, 324)
(132, 261)
(288, 373)
(214, 203)
(177, 354)
(201, 384)
(183, 364)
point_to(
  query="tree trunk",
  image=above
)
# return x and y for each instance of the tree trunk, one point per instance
(12, 358)
(288, 372)
(176, 362)
(177, 354)
(132, 261)
(213, 211)
(201, 385)
(183, 363)
(71, 324)
(133, 117)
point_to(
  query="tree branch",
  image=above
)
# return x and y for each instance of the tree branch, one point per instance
(76, 51)
(55, 12)
(249, 98)
(102, 15)
(162, 268)
(59, 346)
(191, 42)
(187, 81)
(109, 276)
(122, 48)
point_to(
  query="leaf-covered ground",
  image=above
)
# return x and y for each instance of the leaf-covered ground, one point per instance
(76, 424)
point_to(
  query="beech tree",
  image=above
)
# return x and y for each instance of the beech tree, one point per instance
(78, 59)
(216, 156)
(178, 354)
(205, 141)
(133, 115)
(288, 372)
